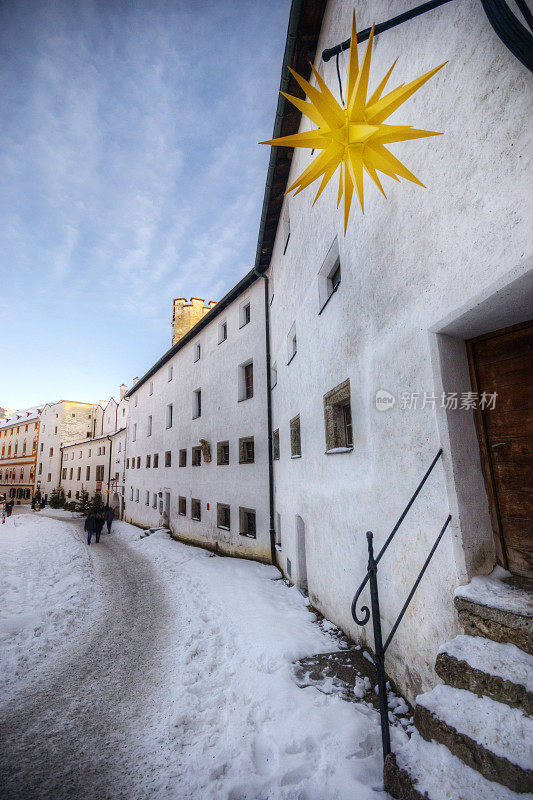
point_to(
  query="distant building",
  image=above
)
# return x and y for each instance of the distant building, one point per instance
(19, 434)
(96, 464)
(61, 423)
(197, 448)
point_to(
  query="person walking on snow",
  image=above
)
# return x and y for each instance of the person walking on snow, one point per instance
(99, 524)
(90, 527)
(109, 516)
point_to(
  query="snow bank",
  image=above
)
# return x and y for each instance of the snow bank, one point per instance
(44, 574)
(239, 727)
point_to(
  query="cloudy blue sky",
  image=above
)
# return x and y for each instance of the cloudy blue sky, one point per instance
(129, 174)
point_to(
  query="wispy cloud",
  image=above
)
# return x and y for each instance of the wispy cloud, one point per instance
(131, 169)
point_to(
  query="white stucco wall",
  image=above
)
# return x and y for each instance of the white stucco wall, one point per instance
(61, 423)
(410, 265)
(92, 453)
(223, 418)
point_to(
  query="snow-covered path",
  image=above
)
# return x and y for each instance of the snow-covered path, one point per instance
(176, 685)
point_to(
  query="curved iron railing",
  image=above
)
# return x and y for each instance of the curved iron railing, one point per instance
(371, 575)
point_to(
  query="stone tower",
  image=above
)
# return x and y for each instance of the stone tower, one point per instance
(186, 314)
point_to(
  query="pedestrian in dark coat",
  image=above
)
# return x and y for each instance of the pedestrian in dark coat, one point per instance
(109, 516)
(90, 527)
(99, 524)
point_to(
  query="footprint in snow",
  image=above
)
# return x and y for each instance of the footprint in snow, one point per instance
(264, 755)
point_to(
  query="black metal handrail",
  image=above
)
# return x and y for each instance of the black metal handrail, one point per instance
(371, 575)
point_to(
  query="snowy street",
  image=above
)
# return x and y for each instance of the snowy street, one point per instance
(145, 668)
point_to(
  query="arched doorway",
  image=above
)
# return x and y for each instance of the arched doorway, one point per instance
(302, 557)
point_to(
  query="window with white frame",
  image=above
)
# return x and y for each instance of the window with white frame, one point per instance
(151, 388)
(244, 313)
(222, 331)
(246, 380)
(329, 276)
(134, 434)
(169, 415)
(170, 372)
(197, 351)
(197, 404)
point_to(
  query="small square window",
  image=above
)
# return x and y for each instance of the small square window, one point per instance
(196, 456)
(222, 453)
(223, 517)
(156, 460)
(296, 444)
(196, 510)
(246, 450)
(183, 458)
(168, 458)
(222, 332)
(275, 444)
(182, 506)
(247, 522)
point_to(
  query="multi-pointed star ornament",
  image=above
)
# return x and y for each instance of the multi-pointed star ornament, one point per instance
(354, 136)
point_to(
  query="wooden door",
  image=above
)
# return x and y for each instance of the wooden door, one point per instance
(502, 362)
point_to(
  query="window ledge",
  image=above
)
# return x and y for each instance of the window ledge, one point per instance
(290, 359)
(243, 326)
(335, 450)
(242, 399)
(297, 456)
(196, 519)
(278, 548)
(222, 527)
(248, 535)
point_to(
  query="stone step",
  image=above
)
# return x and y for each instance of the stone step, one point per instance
(486, 735)
(498, 606)
(502, 672)
(420, 770)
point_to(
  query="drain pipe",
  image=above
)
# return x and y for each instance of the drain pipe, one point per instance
(109, 470)
(272, 529)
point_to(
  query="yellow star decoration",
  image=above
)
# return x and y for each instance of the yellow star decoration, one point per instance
(353, 137)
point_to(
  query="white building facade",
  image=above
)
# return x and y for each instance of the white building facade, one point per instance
(391, 306)
(60, 423)
(197, 446)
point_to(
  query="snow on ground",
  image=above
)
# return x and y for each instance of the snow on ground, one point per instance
(242, 728)
(223, 718)
(44, 576)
